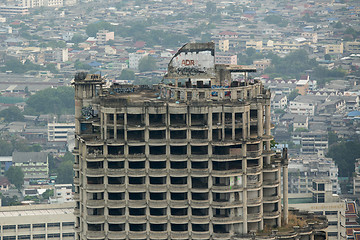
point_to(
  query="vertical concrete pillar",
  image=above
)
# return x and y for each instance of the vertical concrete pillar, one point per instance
(260, 115)
(285, 194)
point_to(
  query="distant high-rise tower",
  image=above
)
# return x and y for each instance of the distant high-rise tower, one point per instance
(187, 160)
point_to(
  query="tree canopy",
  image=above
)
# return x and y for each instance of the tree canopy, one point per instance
(147, 63)
(15, 176)
(127, 74)
(51, 100)
(12, 114)
(65, 172)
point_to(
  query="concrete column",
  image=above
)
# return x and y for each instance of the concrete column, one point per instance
(285, 194)
(267, 120)
(115, 125)
(245, 220)
(260, 120)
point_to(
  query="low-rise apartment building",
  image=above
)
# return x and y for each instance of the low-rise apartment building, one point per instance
(34, 164)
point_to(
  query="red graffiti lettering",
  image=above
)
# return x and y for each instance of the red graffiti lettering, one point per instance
(188, 62)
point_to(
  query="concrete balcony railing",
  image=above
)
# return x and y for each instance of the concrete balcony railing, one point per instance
(95, 172)
(157, 157)
(179, 235)
(76, 167)
(116, 172)
(253, 185)
(271, 199)
(157, 203)
(220, 204)
(227, 188)
(270, 183)
(116, 219)
(136, 187)
(254, 201)
(95, 219)
(200, 203)
(95, 203)
(95, 187)
(178, 187)
(116, 203)
(116, 234)
(137, 219)
(200, 219)
(76, 181)
(95, 234)
(137, 235)
(76, 196)
(221, 235)
(157, 187)
(178, 157)
(200, 235)
(157, 172)
(273, 214)
(253, 169)
(137, 203)
(158, 234)
(158, 219)
(136, 172)
(179, 172)
(199, 172)
(226, 220)
(179, 203)
(179, 219)
(225, 158)
(76, 211)
(115, 187)
(253, 154)
(254, 217)
(226, 173)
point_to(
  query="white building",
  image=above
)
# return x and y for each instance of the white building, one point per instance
(134, 58)
(62, 193)
(43, 221)
(356, 178)
(314, 142)
(58, 132)
(41, 3)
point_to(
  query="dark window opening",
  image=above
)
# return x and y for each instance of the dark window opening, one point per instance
(222, 212)
(181, 134)
(117, 211)
(199, 182)
(158, 150)
(137, 211)
(135, 119)
(115, 150)
(137, 196)
(221, 181)
(95, 227)
(137, 227)
(158, 211)
(253, 162)
(200, 227)
(179, 196)
(228, 133)
(253, 114)
(95, 165)
(199, 134)
(178, 150)
(221, 228)
(116, 180)
(157, 180)
(96, 150)
(157, 196)
(135, 136)
(135, 150)
(178, 180)
(158, 165)
(137, 165)
(179, 211)
(238, 133)
(120, 118)
(117, 227)
(198, 119)
(217, 134)
(116, 196)
(158, 227)
(200, 211)
(136, 180)
(221, 197)
(156, 119)
(228, 118)
(217, 119)
(177, 119)
(199, 150)
(200, 196)
(229, 165)
(178, 165)
(120, 134)
(199, 165)
(95, 180)
(96, 196)
(116, 165)
(179, 227)
(158, 134)
(238, 118)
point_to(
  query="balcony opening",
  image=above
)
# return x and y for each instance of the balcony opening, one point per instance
(96, 196)
(157, 119)
(116, 180)
(228, 133)
(86, 128)
(116, 196)
(136, 150)
(158, 211)
(95, 150)
(179, 134)
(95, 180)
(229, 165)
(178, 165)
(95, 165)
(110, 118)
(137, 165)
(199, 150)
(135, 119)
(253, 195)
(179, 227)
(177, 119)
(157, 150)
(221, 181)
(120, 134)
(135, 136)
(116, 165)
(189, 96)
(157, 134)
(221, 228)
(252, 147)
(179, 196)
(120, 119)
(253, 131)
(199, 182)
(228, 118)
(238, 118)
(178, 150)
(110, 133)
(200, 227)
(253, 210)
(253, 114)
(117, 227)
(200, 165)
(217, 134)
(217, 119)
(252, 179)
(95, 211)
(117, 211)
(253, 162)
(136, 180)
(158, 227)
(179, 211)
(221, 197)
(137, 227)
(238, 133)
(137, 196)
(270, 192)
(137, 211)
(222, 212)
(157, 164)
(199, 134)
(221, 150)
(157, 180)
(200, 211)
(96, 227)
(200, 196)
(115, 150)
(158, 196)
(178, 180)
(198, 120)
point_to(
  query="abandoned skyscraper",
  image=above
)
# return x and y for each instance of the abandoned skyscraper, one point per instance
(190, 159)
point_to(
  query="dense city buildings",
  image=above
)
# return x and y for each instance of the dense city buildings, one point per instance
(191, 159)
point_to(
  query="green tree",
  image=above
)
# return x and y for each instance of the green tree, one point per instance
(210, 7)
(327, 57)
(78, 38)
(12, 114)
(65, 172)
(127, 74)
(293, 94)
(15, 176)
(147, 63)
(48, 193)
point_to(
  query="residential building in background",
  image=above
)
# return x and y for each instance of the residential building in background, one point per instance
(34, 164)
(190, 162)
(58, 132)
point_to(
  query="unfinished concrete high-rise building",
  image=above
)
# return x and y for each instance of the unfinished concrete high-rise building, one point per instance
(190, 159)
